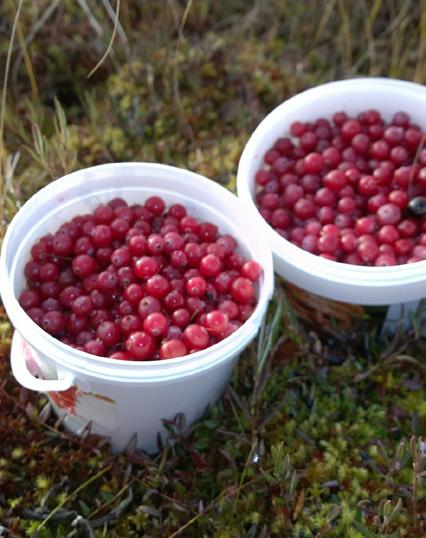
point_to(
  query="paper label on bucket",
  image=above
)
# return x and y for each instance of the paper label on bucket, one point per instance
(87, 407)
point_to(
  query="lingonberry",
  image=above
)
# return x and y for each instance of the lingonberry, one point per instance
(156, 325)
(157, 286)
(195, 337)
(120, 356)
(181, 317)
(313, 163)
(196, 286)
(148, 305)
(216, 322)
(210, 265)
(29, 299)
(251, 270)
(242, 290)
(155, 205)
(82, 265)
(121, 257)
(102, 235)
(119, 227)
(173, 349)
(350, 128)
(53, 322)
(103, 214)
(76, 324)
(189, 224)
(107, 281)
(84, 245)
(368, 250)
(134, 293)
(146, 266)
(388, 234)
(82, 306)
(304, 208)
(174, 300)
(389, 213)
(140, 345)
(62, 244)
(50, 289)
(95, 347)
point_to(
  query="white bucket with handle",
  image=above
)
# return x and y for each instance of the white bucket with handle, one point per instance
(121, 398)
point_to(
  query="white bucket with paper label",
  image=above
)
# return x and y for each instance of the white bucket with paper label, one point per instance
(120, 398)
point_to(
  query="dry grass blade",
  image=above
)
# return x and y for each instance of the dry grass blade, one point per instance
(6, 76)
(268, 335)
(91, 17)
(24, 43)
(3, 152)
(114, 31)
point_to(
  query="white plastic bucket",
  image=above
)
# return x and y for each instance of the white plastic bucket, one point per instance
(120, 398)
(333, 280)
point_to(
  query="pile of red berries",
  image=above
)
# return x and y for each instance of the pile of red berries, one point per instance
(341, 189)
(139, 282)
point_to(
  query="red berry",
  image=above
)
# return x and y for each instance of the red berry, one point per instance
(313, 163)
(82, 306)
(140, 345)
(148, 305)
(95, 347)
(388, 214)
(196, 286)
(156, 325)
(134, 293)
(368, 250)
(242, 290)
(173, 349)
(304, 208)
(102, 235)
(157, 286)
(146, 267)
(138, 245)
(107, 281)
(350, 128)
(108, 332)
(130, 324)
(388, 234)
(53, 322)
(385, 260)
(216, 322)
(155, 205)
(251, 270)
(195, 337)
(103, 214)
(83, 265)
(120, 356)
(210, 265)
